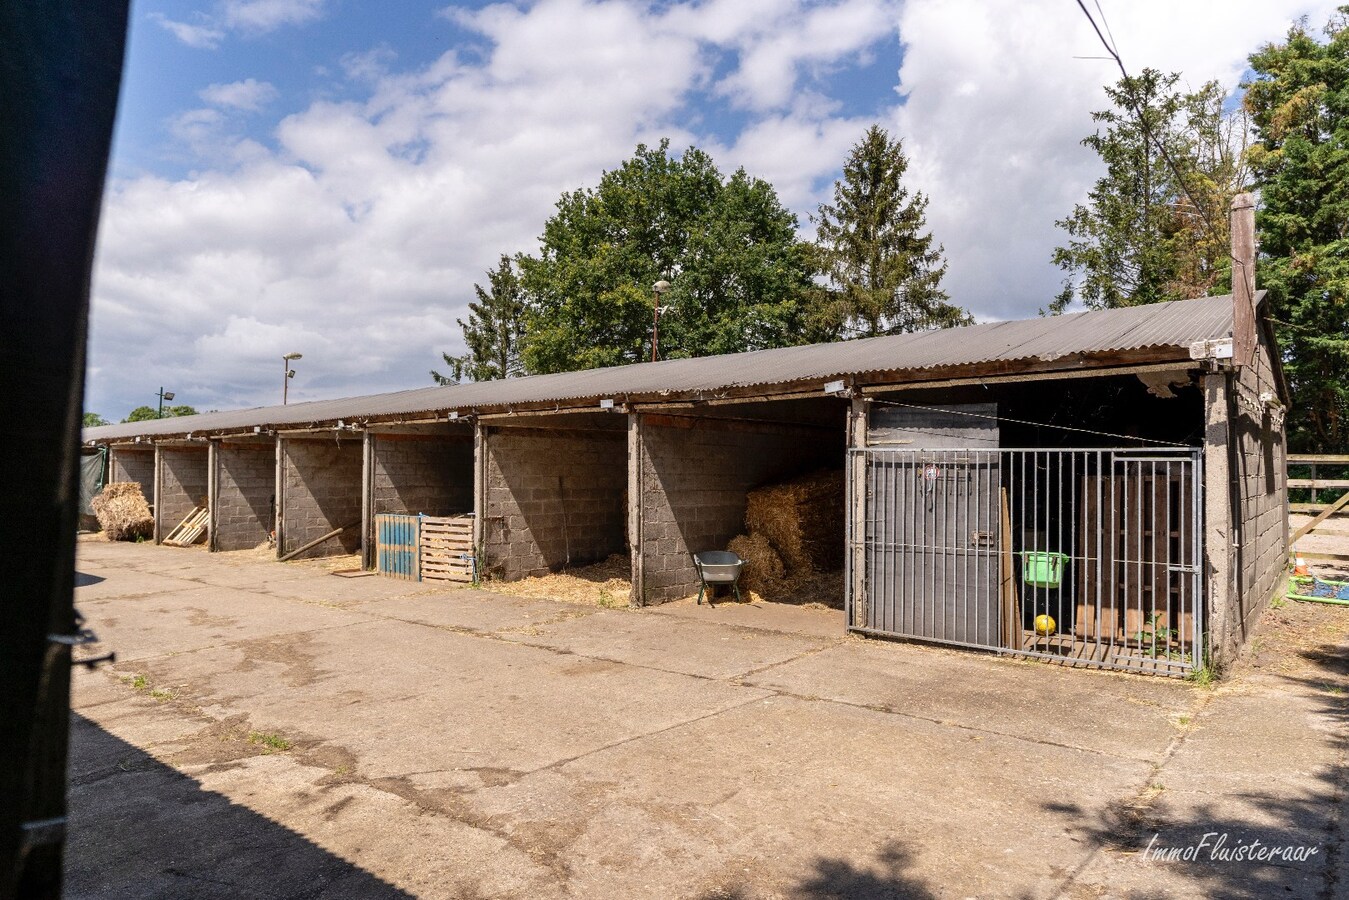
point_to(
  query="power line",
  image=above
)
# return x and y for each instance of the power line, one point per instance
(1147, 131)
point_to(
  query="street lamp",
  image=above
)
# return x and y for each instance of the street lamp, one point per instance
(163, 395)
(660, 287)
(290, 373)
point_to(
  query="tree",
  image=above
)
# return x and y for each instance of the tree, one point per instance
(884, 272)
(494, 332)
(93, 420)
(1299, 103)
(1149, 233)
(740, 277)
(146, 413)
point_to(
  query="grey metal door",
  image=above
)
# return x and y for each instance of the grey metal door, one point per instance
(932, 539)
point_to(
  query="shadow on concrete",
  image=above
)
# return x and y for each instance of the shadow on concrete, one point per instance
(83, 579)
(1276, 817)
(888, 879)
(839, 879)
(139, 828)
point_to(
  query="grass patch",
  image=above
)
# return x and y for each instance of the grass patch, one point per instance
(161, 696)
(137, 682)
(1278, 603)
(1204, 677)
(272, 742)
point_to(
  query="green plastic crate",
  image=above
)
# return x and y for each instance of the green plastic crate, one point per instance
(1043, 569)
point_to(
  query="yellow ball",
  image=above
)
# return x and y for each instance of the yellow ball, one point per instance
(1045, 625)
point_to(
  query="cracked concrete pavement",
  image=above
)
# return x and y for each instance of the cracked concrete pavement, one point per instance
(271, 730)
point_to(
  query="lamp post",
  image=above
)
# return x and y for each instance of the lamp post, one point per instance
(163, 395)
(290, 373)
(660, 287)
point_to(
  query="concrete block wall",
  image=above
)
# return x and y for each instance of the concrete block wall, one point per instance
(1246, 504)
(1262, 504)
(136, 465)
(184, 475)
(245, 485)
(429, 474)
(321, 491)
(550, 496)
(693, 476)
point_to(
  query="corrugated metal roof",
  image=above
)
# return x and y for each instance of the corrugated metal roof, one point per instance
(1120, 331)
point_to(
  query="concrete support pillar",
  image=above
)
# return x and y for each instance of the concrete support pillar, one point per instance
(855, 557)
(158, 491)
(480, 498)
(212, 493)
(368, 500)
(637, 597)
(1222, 619)
(279, 516)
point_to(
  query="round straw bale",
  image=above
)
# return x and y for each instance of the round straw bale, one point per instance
(122, 512)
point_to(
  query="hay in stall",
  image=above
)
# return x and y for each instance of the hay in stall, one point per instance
(763, 569)
(802, 519)
(607, 583)
(122, 512)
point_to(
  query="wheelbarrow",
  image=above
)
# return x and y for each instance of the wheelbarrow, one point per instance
(717, 567)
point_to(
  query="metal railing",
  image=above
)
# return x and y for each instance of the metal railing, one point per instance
(1087, 556)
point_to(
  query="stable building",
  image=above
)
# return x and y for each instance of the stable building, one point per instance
(1102, 488)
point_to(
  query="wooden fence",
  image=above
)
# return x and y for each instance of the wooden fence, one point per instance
(1336, 481)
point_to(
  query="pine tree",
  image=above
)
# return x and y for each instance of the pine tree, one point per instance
(1149, 232)
(1299, 102)
(884, 271)
(494, 332)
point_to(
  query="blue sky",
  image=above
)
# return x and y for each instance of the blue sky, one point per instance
(332, 176)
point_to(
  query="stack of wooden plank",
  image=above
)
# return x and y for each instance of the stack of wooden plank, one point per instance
(190, 530)
(447, 548)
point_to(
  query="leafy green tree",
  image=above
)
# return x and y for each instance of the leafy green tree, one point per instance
(145, 413)
(1148, 232)
(739, 275)
(1299, 103)
(883, 268)
(494, 332)
(93, 420)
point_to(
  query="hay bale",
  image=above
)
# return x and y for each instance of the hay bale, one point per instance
(763, 567)
(802, 519)
(122, 512)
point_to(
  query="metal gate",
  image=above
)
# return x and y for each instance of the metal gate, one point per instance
(1090, 557)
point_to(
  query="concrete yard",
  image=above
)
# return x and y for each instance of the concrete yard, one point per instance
(272, 730)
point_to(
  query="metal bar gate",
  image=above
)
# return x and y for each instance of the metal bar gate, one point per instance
(1090, 557)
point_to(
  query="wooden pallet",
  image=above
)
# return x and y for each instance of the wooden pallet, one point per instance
(1071, 651)
(447, 548)
(190, 530)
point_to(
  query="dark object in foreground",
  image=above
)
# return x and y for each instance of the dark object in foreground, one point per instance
(62, 64)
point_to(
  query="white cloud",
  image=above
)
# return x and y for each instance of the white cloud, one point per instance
(824, 36)
(249, 95)
(357, 236)
(268, 15)
(205, 36)
(250, 17)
